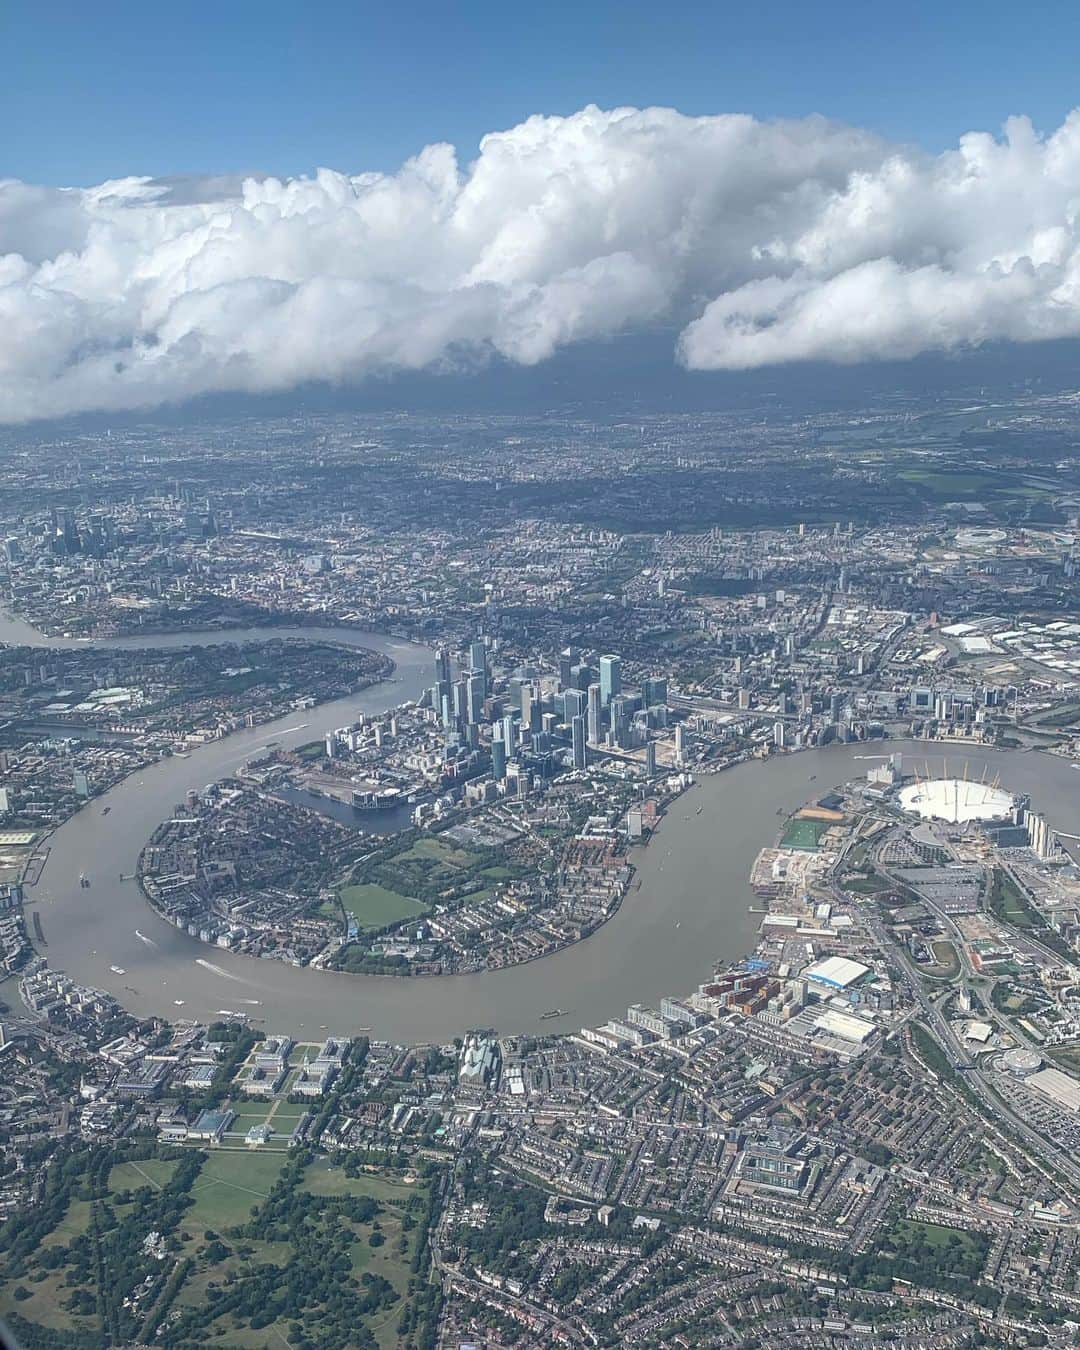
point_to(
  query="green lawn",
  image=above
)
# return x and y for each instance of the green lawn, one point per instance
(441, 851)
(935, 1235)
(322, 1178)
(865, 885)
(947, 484)
(130, 1176)
(394, 1197)
(373, 906)
(44, 1307)
(248, 1117)
(74, 1223)
(804, 834)
(230, 1182)
(1009, 903)
(946, 962)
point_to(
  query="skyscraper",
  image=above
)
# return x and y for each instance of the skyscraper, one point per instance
(617, 715)
(577, 727)
(475, 690)
(594, 713)
(498, 757)
(479, 662)
(680, 746)
(575, 703)
(568, 659)
(610, 678)
(527, 699)
(653, 691)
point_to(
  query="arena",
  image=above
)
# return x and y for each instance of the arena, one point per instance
(956, 800)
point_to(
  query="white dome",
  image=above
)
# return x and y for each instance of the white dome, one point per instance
(956, 800)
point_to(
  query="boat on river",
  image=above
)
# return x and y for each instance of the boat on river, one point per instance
(552, 1013)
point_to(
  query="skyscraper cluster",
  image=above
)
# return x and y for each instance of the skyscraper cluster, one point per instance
(537, 725)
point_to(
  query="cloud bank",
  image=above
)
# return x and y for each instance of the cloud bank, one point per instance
(767, 242)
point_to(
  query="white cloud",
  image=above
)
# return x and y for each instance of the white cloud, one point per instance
(772, 242)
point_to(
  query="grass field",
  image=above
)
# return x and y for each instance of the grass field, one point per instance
(865, 885)
(44, 1305)
(935, 1236)
(946, 962)
(1010, 904)
(130, 1176)
(440, 851)
(249, 1116)
(373, 906)
(74, 1223)
(230, 1182)
(388, 1260)
(946, 483)
(803, 834)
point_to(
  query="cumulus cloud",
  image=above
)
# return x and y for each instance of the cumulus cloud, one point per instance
(768, 242)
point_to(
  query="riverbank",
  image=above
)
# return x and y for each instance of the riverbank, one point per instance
(689, 912)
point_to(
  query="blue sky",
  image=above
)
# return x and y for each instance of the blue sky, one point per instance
(96, 91)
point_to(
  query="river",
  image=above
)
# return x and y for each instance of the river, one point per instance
(690, 910)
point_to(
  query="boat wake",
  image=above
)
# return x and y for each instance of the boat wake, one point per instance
(143, 938)
(215, 970)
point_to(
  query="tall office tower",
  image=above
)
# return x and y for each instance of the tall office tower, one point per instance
(654, 690)
(779, 735)
(594, 713)
(447, 711)
(442, 670)
(610, 678)
(474, 686)
(575, 703)
(12, 552)
(581, 676)
(72, 541)
(618, 716)
(527, 700)
(498, 757)
(650, 759)
(460, 692)
(331, 745)
(836, 705)
(680, 746)
(548, 723)
(577, 728)
(508, 734)
(568, 659)
(479, 662)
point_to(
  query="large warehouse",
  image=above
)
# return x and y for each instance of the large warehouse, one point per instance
(835, 972)
(956, 800)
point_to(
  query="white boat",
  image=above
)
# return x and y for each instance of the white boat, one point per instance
(118, 970)
(179, 1002)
